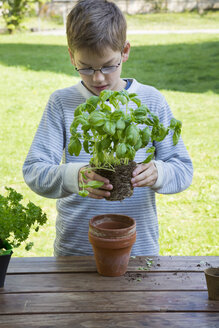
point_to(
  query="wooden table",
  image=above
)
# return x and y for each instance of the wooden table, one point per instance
(68, 292)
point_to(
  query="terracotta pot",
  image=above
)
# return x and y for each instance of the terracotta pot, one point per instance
(4, 261)
(212, 280)
(112, 237)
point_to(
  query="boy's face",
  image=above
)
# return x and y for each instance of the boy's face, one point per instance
(98, 81)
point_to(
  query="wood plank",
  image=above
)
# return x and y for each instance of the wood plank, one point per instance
(87, 263)
(79, 302)
(55, 282)
(175, 263)
(52, 264)
(107, 320)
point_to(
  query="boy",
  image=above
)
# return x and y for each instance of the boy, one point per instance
(96, 33)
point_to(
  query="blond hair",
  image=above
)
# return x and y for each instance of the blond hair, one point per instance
(96, 24)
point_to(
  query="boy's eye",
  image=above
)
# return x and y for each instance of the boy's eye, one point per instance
(103, 70)
(108, 69)
(85, 71)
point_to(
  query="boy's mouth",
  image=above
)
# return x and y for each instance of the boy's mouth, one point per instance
(100, 88)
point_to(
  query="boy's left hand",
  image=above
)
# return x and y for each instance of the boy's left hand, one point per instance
(144, 175)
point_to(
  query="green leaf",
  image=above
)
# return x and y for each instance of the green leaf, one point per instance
(120, 134)
(78, 111)
(159, 132)
(132, 134)
(100, 156)
(148, 159)
(105, 143)
(122, 99)
(98, 146)
(106, 108)
(140, 119)
(140, 111)
(105, 94)
(176, 137)
(79, 120)
(136, 100)
(73, 130)
(173, 123)
(138, 144)
(149, 122)
(145, 136)
(29, 246)
(100, 130)
(91, 103)
(94, 184)
(128, 119)
(86, 127)
(132, 95)
(96, 118)
(155, 118)
(120, 124)
(124, 93)
(179, 125)
(86, 146)
(117, 114)
(130, 152)
(151, 150)
(84, 177)
(74, 147)
(110, 128)
(83, 193)
(114, 102)
(121, 150)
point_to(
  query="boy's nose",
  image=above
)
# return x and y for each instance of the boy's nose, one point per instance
(98, 76)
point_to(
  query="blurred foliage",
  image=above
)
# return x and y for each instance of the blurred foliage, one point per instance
(14, 11)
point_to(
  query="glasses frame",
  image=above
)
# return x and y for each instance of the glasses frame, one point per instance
(92, 70)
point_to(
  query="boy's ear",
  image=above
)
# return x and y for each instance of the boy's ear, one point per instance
(71, 57)
(126, 51)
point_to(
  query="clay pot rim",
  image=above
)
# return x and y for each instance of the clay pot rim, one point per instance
(209, 272)
(95, 218)
(112, 242)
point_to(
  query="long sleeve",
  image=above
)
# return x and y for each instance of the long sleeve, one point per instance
(42, 170)
(175, 170)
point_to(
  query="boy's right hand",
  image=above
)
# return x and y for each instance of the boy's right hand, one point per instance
(99, 193)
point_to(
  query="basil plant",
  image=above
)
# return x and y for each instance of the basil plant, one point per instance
(112, 135)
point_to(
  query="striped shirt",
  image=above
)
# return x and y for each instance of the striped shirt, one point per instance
(50, 171)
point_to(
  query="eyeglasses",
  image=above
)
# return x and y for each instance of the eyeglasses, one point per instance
(104, 70)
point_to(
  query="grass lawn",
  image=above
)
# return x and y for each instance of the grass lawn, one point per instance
(183, 67)
(173, 21)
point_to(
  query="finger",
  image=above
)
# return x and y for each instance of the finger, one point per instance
(143, 173)
(98, 193)
(147, 182)
(140, 168)
(146, 178)
(103, 187)
(94, 176)
(140, 180)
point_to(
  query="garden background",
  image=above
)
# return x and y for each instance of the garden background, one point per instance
(183, 66)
